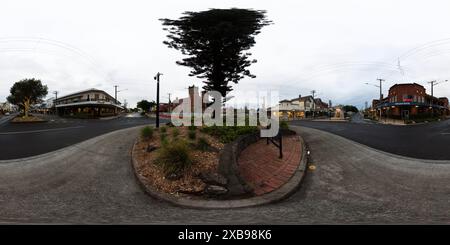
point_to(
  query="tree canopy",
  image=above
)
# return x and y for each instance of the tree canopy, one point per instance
(27, 92)
(215, 41)
(350, 108)
(145, 105)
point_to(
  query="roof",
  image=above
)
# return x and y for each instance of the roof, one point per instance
(285, 101)
(406, 84)
(84, 91)
(303, 98)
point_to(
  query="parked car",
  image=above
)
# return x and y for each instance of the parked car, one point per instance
(7, 114)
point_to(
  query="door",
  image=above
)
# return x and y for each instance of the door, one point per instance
(405, 114)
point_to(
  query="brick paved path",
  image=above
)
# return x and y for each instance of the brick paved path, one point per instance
(263, 170)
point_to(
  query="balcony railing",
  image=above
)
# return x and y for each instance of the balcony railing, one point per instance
(64, 102)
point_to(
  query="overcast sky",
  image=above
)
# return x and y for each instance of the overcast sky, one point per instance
(333, 47)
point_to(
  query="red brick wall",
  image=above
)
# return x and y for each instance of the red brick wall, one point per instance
(406, 89)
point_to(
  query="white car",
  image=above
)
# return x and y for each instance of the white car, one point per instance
(7, 114)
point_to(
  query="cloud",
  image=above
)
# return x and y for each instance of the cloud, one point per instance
(333, 47)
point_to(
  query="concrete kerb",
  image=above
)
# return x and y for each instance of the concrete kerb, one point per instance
(277, 195)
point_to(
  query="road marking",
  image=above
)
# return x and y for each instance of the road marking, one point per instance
(39, 131)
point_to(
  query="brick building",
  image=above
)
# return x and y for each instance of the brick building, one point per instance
(410, 100)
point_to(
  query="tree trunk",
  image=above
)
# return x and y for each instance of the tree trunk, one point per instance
(26, 106)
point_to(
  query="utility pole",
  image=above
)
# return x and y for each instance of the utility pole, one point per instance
(381, 93)
(115, 94)
(170, 104)
(381, 88)
(433, 83)
(56, 98)
(157, 98)
(115, 99)
(314, 103)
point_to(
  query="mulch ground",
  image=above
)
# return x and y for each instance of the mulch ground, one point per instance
(203, 161)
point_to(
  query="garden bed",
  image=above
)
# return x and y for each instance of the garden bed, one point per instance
(177, 144)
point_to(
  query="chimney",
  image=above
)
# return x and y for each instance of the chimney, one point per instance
(193, 91)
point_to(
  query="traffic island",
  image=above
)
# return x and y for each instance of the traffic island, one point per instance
(29, 119)
(217, 176)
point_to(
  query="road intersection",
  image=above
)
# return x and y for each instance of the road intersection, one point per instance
(88, 178)
(424, 141)
(93, 182)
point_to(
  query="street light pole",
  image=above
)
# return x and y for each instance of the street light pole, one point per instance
(157, 98)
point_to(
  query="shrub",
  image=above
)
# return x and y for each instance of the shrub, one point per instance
(163, 138)
(147, 132)
(284, 125)
(174, 157)
(192, 134)
(175, 132)
(192, 128)
(163, 129)
(202, 144)
(227, 134)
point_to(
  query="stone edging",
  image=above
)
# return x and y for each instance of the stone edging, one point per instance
(277, 195)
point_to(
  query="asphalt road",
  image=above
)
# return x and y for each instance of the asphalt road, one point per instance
(424, 141)
(93, 182)
(25, 140)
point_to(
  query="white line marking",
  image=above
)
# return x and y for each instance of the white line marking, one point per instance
(39, 131)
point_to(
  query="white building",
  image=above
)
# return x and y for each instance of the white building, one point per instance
(7, 107)
(91, 103)
(295, 108)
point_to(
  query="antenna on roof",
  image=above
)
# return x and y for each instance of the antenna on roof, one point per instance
(400, 68)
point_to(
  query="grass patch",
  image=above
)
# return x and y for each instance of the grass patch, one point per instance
(192, 134)
(174, 157)
(175, 132)
(202, 144)
(163, 139)
(147, 132)
(284, 124)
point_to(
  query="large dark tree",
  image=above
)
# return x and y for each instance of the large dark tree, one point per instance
(350, 108)
(215, 41)
(27, 92)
